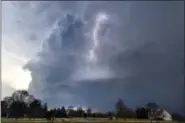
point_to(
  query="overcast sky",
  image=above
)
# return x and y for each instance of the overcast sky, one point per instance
(91, 53)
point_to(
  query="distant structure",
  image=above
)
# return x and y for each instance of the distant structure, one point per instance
(167, 116)
(159, 113)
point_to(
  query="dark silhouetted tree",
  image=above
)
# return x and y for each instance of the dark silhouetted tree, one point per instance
(36, 108)
(50, 115)
(63, 112)
(79, 112)
(178, 117)
(89, 112)
(45, 109)
(130, 113)
(58, 113)
(70, 111)
(141, 113)
(20, 95)
(4, 109)
(120, 108)
(18, 109)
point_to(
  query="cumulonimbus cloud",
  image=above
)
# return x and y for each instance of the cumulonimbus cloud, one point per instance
(138, 52)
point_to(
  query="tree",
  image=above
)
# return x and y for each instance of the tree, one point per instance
(120, 108)
(20, 95)
(89, 112)
(8, 100)
(22, 104)
(50, 115)
(141, 113)
(70, 111)
(45, 109)
(57, 112)
(63, 112)
(178, 117)
(18, 109)
(130, 113)
(80, 112)
(35, 108)
(4, 108)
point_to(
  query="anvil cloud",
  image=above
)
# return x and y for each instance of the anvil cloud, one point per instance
(91, 53)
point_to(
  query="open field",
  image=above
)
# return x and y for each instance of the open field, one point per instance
(78, 120)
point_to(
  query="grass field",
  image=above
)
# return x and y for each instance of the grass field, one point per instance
(78, 120)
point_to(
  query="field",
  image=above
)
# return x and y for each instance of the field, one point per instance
(78, 120)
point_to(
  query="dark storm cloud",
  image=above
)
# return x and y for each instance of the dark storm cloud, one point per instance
(58, 60)
(142, 44)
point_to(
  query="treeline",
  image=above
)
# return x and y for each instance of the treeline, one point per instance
(22, 104)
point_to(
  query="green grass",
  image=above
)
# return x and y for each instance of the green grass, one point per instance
(77, 120)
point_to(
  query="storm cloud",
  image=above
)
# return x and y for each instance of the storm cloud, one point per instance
(101, 51)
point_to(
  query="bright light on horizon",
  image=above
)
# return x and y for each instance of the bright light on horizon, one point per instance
(13, 73)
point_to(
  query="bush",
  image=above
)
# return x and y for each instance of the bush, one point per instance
(178, 117)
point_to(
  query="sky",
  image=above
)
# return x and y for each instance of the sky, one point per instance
(92, 53)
